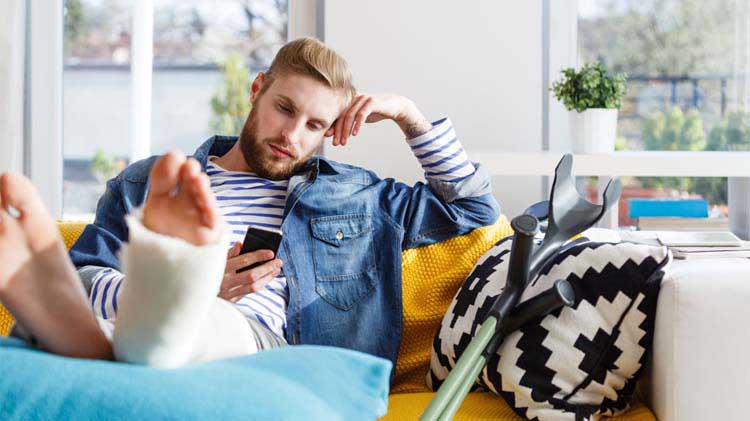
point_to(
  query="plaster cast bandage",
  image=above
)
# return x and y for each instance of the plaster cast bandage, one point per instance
(169, 313)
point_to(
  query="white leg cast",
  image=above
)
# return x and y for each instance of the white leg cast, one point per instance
(169, 313)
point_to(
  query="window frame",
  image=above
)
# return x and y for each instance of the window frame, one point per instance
(43, 97)
(43, 108)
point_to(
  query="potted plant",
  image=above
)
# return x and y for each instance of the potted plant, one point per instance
(595, 96)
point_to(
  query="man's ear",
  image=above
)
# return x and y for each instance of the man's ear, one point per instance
(256, 86)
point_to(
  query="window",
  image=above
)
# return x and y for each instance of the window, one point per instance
(96, 99)
(197, 45)
(687, 66)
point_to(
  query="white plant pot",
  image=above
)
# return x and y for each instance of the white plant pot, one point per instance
(593, 131)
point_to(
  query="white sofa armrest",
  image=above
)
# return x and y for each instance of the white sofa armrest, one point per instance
(700, 366)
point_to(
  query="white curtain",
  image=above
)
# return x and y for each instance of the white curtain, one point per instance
(12, 31)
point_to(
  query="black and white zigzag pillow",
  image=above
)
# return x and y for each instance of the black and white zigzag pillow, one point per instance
(578, 362)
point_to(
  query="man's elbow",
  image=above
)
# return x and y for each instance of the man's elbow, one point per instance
(481, 210)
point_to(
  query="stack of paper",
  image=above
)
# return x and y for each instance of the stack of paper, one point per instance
(683, 224)
(711, 252)
(698, 239)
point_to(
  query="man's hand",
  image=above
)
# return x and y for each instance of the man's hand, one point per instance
(236, 285)
(371, 108)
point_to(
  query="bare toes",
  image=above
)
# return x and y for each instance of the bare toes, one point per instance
(18, 191)
(189, 213)
(14, 250)
(204, 200)
(195, 192)
(189, 170)
(163, 178)
(38, 226)
(165, 173)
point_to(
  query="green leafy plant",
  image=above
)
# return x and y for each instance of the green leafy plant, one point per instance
(231, 102)
(590, 87)
(104, 167)
(732, 133)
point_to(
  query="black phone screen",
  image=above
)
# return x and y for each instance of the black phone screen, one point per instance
(259, 239)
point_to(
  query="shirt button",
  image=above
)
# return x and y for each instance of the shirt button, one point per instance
(339, 235)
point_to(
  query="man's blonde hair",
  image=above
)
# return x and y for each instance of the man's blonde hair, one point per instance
(310, 57)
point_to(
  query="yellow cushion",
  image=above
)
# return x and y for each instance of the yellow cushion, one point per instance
(6, 321)
(70, 231)
(482, 406)
(431, 276)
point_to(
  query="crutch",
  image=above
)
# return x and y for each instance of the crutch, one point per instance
(568, 215)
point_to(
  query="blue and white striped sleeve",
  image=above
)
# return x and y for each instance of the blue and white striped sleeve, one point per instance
(105, 290)
(440, 153)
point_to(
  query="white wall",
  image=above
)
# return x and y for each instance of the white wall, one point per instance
(479, 62)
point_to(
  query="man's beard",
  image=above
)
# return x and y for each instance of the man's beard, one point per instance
(260, 159)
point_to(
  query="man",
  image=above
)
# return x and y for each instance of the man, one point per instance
(336, 278)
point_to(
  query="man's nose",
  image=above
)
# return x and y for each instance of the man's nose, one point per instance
(292, 133)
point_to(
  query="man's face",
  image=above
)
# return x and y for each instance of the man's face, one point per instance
(287, 124)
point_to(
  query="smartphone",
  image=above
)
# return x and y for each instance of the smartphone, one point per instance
(259, 239)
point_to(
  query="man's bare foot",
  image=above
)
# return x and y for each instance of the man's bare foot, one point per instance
(180, 202)
(38, 283)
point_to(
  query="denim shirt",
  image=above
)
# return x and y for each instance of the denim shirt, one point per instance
(343, 233)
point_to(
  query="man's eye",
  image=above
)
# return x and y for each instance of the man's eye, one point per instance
(284, 109)
(313, 126)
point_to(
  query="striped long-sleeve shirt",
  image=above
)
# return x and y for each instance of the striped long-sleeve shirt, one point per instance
(245, 199)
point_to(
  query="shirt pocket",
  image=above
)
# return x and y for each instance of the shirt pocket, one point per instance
(344, 258)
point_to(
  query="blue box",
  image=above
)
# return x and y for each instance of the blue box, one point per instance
(685, 208)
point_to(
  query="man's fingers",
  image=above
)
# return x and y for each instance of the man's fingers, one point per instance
(237, 286)
(232, 280)
(338, 130)
(341, 133)
(367, 108)
(351, 114)
(234, 251)
(240, 291)
(247, 259)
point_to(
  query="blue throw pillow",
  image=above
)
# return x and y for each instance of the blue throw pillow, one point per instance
(291, 383)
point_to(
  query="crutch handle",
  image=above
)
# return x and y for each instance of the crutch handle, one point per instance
(525, 228)
(561, 294)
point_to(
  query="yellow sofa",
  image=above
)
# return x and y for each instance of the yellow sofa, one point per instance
(431, 276)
